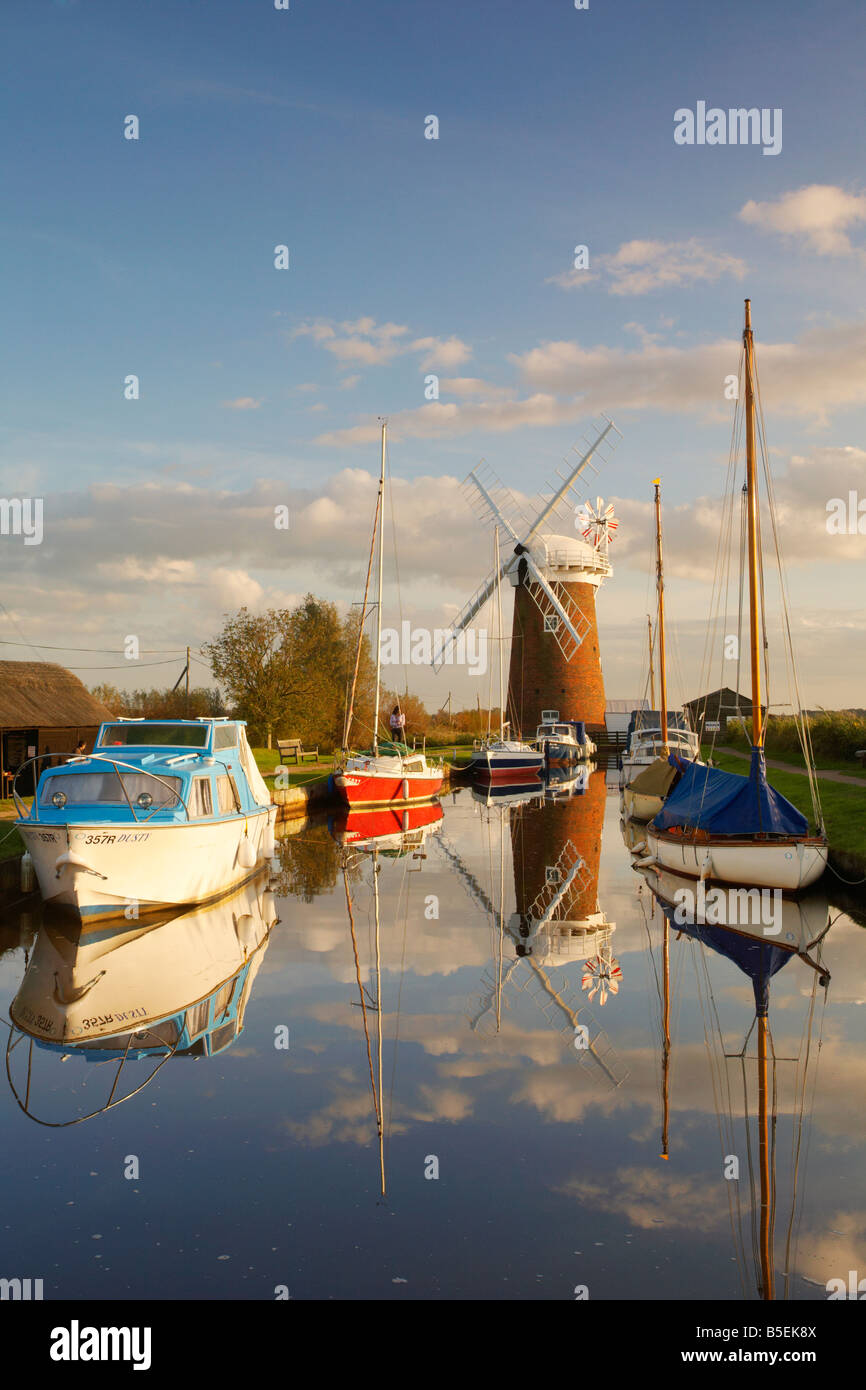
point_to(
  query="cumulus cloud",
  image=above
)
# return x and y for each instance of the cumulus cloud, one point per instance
(820, 215)
(242, 403)
(641, 266)
(373, 344)
(824, 370)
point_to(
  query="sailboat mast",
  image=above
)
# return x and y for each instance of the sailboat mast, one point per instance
(660, 584)
(499, 631)
(752, 516)
(666, 1037)
(767, 1272)
(649, 624)
(379, 594)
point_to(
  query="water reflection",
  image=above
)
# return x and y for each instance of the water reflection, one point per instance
(760, 933)
(445, 981)
(177, 985)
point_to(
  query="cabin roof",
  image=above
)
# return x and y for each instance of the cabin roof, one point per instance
(39, 694)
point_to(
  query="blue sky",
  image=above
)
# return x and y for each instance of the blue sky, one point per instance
(306, 127)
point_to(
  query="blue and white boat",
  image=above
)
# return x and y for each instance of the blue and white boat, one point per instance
(563, 740)
(163, 813)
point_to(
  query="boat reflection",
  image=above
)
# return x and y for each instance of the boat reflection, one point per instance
(177, 985)
(394, 830)
(760, 932)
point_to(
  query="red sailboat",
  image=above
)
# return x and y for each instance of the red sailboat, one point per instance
(389, 772)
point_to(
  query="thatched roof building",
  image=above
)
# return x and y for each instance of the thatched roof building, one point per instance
(43, 708)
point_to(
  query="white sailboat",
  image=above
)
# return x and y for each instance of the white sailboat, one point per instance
(720, 825)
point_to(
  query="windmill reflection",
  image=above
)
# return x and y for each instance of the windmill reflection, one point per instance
(554, 842)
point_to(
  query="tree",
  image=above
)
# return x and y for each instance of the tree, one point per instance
(160, 704)
(287, 671)
(252, 660)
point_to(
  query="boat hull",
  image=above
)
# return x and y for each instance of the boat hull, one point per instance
(377, 789)
(96, 870)
(506, 767)
(788, 864)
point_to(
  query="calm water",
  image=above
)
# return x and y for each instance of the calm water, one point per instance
(261, 1166)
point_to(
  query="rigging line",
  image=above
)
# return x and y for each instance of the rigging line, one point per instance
(696, 954)
(404, 885)
(361, 620)
(797, 1130)
(803, 728)
(362, 998)
(811, 1111)
(396, 570)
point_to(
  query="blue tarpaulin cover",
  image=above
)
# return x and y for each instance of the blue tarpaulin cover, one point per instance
(757, 959)
(725, 803)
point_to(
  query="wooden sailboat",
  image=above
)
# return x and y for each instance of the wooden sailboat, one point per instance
(389, 771)
(499, 758)
(648, 775)
(720, 825)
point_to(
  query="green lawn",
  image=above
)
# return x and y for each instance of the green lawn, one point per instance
(844, 807)
(823, 764)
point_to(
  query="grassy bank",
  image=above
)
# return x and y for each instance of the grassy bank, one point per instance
(836, 737)
(844, 807)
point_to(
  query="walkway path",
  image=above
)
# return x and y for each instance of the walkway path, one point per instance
(828, 775)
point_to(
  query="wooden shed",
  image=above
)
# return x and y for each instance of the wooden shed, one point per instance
(43, 709)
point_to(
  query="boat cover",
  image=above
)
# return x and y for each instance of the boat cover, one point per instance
(258, 786)
(658, 778)
(726, 803)
(757, 959)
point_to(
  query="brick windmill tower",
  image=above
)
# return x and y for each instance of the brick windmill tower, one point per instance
(555, 565)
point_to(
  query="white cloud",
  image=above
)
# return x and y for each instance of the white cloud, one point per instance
(242, 403)
(439, 352)
(374, 344)
(641, 266)
(819, 215)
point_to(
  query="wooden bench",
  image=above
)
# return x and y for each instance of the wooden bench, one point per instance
(290, 750)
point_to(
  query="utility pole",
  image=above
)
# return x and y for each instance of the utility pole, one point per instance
(187, 682)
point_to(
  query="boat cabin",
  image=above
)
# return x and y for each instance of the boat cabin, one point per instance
(154, 770)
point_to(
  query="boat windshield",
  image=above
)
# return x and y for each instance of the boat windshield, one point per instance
(103, 788)
(145, 735)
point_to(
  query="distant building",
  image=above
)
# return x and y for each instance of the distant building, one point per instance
(717, 708)
(617, 712)
(43, 709)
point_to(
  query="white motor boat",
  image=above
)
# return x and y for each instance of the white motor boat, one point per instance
(163, 813)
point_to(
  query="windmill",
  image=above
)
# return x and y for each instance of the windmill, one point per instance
(555, 564)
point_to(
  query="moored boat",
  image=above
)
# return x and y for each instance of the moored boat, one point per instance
(387, 771)
(163, 813)
(563, 740)
(720, 825)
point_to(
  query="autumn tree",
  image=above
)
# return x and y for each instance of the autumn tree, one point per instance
(287, 671)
